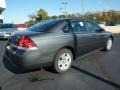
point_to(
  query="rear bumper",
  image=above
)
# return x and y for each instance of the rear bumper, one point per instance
(30, 59)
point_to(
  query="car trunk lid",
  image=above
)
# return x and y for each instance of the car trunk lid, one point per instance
(15, 39)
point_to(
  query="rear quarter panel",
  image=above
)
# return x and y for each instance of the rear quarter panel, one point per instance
(49, 44)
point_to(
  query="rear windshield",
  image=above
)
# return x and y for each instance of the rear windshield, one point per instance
(44, 26)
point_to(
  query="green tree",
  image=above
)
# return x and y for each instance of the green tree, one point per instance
(42, 15)
(53, 17)
(104, 16)
(61, 16)
(32, 16)
(30, 22)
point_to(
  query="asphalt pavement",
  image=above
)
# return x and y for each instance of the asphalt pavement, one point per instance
(98, 71)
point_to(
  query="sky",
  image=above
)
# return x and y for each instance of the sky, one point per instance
(17, 11)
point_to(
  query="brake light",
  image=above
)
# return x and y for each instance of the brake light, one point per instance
(26, 42)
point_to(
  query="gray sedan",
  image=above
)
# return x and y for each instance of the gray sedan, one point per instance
(56, 43)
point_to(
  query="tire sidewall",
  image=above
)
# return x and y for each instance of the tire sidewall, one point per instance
(56, 67)
(107, 44)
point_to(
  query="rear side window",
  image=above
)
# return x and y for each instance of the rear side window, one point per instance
(78, 27)
(66, 28)
(92, 26)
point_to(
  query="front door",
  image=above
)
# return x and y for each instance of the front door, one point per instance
(83, 39)
(98, 37)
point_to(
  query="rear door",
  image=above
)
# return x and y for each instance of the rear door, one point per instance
(83, 40)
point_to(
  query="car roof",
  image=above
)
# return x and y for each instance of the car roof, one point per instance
(73, 19)
(70, 19)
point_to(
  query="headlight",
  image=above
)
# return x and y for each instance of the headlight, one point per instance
(5, 34)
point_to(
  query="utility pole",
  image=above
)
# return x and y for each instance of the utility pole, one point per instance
(64, 3)
(61, 10)
(82, 8)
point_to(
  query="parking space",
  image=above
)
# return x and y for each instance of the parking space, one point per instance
(98, 71)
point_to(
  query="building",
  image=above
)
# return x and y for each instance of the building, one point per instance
(2, 8)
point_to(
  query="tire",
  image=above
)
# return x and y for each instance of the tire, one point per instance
(63, 61)
(108, 44)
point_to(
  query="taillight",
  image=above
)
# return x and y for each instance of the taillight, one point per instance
(26, 42)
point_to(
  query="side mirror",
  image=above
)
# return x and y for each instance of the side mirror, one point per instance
(100, 30)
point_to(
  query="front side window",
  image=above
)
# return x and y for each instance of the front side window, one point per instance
(93, 27)
(78, 27)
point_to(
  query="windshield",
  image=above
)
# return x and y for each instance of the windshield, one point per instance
(44, 26)
(4, 26)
